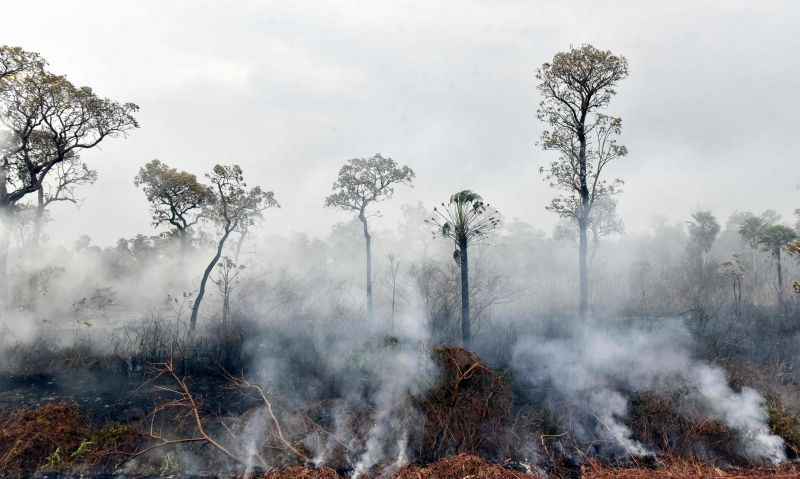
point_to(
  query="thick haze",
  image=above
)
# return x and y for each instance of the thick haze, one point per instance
(290, 90)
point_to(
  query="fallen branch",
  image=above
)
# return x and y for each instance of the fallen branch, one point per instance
(242, 383)
(185, 401)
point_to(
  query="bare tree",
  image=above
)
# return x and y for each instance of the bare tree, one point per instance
(176, 197)
(466, 218)
(361, 182)
(575, 86)
(234, 206)
(227, 278)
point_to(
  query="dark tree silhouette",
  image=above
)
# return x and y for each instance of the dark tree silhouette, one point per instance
(361, 182)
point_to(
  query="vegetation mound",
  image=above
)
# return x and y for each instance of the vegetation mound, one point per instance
(468, 410)
(30, 438)
(56, 437)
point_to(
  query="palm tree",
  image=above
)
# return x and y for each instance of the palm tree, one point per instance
(773, 239)
(466, 218)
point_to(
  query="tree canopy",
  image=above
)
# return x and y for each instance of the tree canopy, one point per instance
(51, 121)
(362, 181)
(465, 218)
(175, 197)
(574, 86)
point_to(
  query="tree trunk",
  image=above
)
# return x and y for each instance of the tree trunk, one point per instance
(38, 218)
(5, 243)
(394, 300)
(239, 244)
(583, 225)
(466, 326)
(204, 281)
(5, 237)
(780, 276)
(368, 241)
(583, 270)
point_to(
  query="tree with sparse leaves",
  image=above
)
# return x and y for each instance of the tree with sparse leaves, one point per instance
(234, 207)
(60, 187)
(176, 197)
(575, 87)
(361, 182)
(466, 218)
(48, 122)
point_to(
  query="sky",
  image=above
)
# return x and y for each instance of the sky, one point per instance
(290, 90)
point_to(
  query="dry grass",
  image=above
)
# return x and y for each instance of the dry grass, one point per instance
(675, 468)
(459, 467)
(299, 472)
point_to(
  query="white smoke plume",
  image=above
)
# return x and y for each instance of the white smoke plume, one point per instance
(593, 365)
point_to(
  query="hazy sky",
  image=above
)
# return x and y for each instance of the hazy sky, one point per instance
(290, 90)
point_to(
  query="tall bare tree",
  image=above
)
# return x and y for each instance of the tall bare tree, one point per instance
(361, 182)
(176, 197)
(465, 218)
(576, 86)
(235, 206)
(49, 122)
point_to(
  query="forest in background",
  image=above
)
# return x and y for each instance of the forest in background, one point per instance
(457, 331)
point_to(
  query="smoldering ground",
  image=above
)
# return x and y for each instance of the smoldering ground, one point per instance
(297, 329)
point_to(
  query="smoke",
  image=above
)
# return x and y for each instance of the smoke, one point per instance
(307, 342)
(594, 366)
(743, 411)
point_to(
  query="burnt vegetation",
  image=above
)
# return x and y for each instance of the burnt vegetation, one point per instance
(214, 345)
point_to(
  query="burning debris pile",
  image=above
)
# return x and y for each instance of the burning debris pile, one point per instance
(468, 411)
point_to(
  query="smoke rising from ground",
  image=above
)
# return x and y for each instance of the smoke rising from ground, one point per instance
(300, 302)
(594, 365)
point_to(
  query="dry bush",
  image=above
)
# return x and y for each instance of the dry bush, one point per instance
(666, 421)
(469, 410)
(30, 438)
(777, 383)
(785, 424)
(57, 437)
